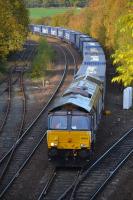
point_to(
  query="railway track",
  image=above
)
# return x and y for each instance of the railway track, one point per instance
(27, 144)
(60, 179)
(19, 128)
(6, 127)
(5, 104)
(95, 178)
(24, 163)
(73, 57)
(58, 182)
(6, 87)
(13, 119)
(25, 56)
(14, 113)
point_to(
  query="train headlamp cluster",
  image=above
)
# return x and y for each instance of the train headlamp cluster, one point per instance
(83, 145)
(53, 144)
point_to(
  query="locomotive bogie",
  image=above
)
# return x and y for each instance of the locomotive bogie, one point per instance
(66, 154)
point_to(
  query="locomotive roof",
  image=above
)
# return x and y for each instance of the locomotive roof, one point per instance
(81, 93)
(83, 84)
(76, 100)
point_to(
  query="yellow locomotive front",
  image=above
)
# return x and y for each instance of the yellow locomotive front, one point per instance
(69, 134)
(73, 120)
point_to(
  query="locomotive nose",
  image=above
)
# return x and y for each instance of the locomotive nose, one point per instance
(69, 140)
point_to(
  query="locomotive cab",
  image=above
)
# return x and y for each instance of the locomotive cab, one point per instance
(69, 134)
(73, 120)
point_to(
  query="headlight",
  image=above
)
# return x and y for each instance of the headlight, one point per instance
(53, 144)
(83, 145)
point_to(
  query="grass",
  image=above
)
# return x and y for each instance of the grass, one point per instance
(36, 13)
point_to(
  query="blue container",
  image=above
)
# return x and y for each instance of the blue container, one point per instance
(54, 31)
(37, 29)
(78, 36)
(61, 33)
(46, 30)
(84, 39)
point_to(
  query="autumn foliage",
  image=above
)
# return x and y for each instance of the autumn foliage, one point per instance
(111, 23)
(13, 26)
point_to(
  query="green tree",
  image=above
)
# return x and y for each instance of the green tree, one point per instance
(43, 60)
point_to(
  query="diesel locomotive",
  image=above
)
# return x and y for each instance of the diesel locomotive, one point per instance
(74, 117)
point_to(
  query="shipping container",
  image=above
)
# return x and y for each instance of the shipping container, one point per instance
(54, 31)
(37, 28)
(88, 45)
(46, 30)
(61, 32)
(96, 70)
(78, 36)
(70, 36)
(84, 39)
(93, 51)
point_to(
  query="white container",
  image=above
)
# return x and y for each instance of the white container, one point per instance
(127, 97)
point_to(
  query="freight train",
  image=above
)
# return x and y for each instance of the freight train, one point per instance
(73, 119)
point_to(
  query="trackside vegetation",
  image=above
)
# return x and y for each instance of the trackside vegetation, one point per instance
(14, 22)
(111, 23)
(43, 60)
(123, 56)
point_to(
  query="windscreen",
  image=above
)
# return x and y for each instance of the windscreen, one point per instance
(81, 123)
(58, 122)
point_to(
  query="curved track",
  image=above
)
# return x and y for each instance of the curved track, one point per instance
(17, 104)
(42, 142)
(26, 145)
(7, 85)
(60, 179)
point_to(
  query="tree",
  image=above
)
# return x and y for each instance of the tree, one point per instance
(115, 8)
(13, 26)
(123, 56)
(42, 61)
(62, 19)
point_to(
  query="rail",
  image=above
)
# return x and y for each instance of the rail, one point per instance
(23, 147)
(94, 179)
